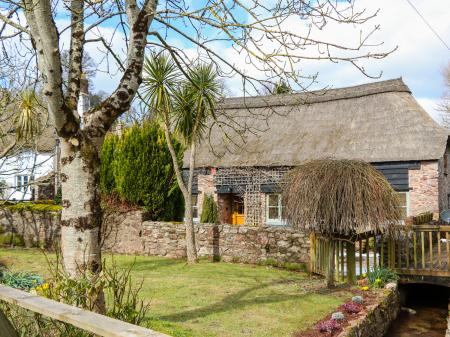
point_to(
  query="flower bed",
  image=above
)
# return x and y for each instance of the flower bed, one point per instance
(370, 318)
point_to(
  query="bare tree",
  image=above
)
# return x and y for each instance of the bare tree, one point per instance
(270, 39)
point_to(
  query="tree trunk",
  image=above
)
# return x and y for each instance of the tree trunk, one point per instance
(330, 271)
(81, 215)
(191, 250)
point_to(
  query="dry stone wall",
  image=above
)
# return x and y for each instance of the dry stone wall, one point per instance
(37, 228)
(130, 234)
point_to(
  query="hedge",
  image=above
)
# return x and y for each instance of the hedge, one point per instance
(137, 167)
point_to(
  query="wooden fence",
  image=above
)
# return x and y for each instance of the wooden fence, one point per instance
(418, 250)
(86, 320)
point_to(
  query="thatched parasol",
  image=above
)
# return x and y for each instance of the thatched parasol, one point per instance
(340, 198)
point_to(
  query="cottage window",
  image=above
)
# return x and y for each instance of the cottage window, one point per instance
(274, 209)
(22, 182)
(404, 203)
(194, 201)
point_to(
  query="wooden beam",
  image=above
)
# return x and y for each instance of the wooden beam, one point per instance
(83, 319)
(423, 272)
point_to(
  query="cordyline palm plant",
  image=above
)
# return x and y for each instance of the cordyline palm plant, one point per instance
(184, 104)
(28, 118)
(339, 199)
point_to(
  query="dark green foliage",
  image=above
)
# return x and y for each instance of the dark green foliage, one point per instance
(107, 181)
(379, 277)
(137, 167)
(58, 196)
(21, 280)
(209, 210)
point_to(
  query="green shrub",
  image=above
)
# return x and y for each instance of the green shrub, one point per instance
(294, 266)
(209, 210)
(123, 292)
(379, 277)
(12, 239)
(23, 280)
(58, 196)
(137, 167)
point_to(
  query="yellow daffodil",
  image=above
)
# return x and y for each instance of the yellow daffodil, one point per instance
(365, 288)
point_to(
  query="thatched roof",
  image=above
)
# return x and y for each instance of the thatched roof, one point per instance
(339, 198)
(375, 122)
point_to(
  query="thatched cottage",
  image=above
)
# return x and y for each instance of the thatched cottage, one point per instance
(380, 123)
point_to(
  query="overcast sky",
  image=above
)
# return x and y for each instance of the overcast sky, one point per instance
(419, 59)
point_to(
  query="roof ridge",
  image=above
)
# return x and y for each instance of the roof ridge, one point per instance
(317, 96)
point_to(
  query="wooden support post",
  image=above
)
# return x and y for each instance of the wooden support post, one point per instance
(367, 255)
(382, 252)
(422, 235)
(312, 253)
(336, 260)
(351, 263)
(330, 265)
(448, 250)
(360, 257)
(439, 263)
(342, 262)
(415, 249)
(375, 252)
(430, 240)
(407, 250)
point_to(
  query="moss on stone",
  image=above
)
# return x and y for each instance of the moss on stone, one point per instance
(32, 207)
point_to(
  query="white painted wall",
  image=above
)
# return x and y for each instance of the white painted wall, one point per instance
(28, 163)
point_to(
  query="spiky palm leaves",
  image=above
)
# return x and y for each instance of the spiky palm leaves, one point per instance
(190, 101)
(28, 118)
(195, 102)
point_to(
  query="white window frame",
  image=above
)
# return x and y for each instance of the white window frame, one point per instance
(20, 184)
(274, 222)
(195, 207)
(407, 206)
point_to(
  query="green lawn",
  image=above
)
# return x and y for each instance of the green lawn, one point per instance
(216, 299)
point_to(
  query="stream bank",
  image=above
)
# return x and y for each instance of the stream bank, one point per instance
(430, 304)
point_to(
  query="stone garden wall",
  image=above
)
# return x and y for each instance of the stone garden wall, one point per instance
(131, 234)
(37, 228)
(379, 317)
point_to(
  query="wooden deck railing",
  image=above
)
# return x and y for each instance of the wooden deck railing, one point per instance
(422, 250)
(83, 319)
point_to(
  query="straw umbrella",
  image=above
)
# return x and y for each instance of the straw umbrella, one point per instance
(339, 199)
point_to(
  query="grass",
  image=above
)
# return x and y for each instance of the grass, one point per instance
(216, 299)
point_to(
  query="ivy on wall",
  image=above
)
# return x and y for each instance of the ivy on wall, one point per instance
(137, 168)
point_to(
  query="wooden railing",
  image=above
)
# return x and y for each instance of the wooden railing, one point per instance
(86, 320)
(422, 250)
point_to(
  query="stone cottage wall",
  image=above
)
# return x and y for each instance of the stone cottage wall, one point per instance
(37, 228)
(227, 242)
(424, 188)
